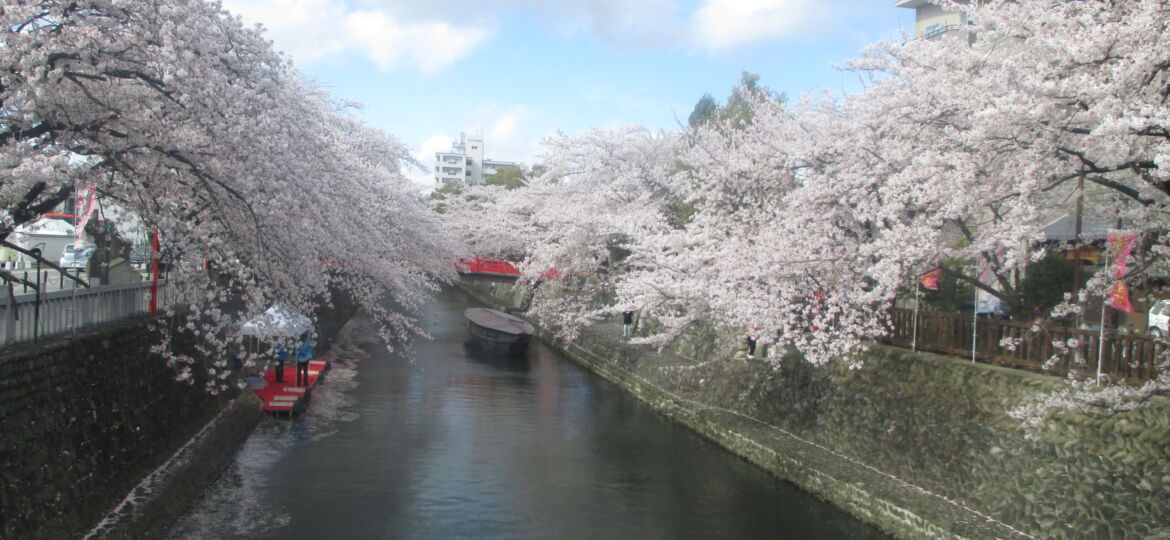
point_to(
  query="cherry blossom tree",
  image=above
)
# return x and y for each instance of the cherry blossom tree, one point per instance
(180, 114)
(810, 219)
(597, 196)
(1044, 95)
(1042, 98)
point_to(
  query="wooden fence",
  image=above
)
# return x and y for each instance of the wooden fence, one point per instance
(1128, 357)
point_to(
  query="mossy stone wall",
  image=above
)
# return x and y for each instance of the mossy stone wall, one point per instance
(83, 420)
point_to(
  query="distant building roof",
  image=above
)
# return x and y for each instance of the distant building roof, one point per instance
(46, 227)
(1063, 228)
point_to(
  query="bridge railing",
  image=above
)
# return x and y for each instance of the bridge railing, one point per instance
(476, 265)
(63, 312)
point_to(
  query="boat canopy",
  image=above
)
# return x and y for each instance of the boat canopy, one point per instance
(497, 320)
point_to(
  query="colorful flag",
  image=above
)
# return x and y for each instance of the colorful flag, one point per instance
(82, 210)
(1120, 244)
(989, 263)
(1118, 297)
(930, 279)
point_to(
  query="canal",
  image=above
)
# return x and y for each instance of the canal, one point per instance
(441, 439)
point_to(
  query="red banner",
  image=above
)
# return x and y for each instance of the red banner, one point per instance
(929, 280)
(1118, 297)
(1120, 244)
(83, 209)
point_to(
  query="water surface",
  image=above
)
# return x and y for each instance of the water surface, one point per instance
(446, 440)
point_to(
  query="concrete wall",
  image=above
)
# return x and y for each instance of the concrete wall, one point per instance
(919, 445)
(84, 420)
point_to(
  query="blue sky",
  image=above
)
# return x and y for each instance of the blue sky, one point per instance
(517, 71)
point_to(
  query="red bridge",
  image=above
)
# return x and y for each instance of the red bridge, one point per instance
(491, 267)
(497, 269)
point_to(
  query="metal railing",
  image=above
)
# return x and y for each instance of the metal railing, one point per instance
(1043, 348)
(26, 317)
(938, 31)
(476, 265)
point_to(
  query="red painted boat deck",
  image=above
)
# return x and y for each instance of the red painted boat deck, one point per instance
(287, 397)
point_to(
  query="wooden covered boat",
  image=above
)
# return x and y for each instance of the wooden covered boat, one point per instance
(499, 330)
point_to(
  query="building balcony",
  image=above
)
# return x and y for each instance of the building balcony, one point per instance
(934, 31)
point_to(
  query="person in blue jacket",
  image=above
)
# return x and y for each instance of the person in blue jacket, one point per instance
(304, 354)
(281, 354)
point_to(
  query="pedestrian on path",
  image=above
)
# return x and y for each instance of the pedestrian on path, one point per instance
(627, 323)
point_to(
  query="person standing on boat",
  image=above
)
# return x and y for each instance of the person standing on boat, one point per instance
(304, 354)
(627, 323)
(281, 354)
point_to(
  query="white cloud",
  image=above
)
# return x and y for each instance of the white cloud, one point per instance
(431, 46)
(425, 154)
(724, 24)
(639, 23)
(432, 35)
(321, 31)
(509, 132)
(507, 124)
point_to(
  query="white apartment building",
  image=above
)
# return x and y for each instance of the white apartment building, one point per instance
(465, 162)
(931, 21)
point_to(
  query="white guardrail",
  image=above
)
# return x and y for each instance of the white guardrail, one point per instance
(64, 312)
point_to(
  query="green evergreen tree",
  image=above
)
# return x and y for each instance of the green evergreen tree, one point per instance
(737, 112)
(509, 177)
(703, 112)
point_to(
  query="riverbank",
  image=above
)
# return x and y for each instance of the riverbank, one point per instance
(86, 419)
(919, 445)
(101, 438)
(151, 508)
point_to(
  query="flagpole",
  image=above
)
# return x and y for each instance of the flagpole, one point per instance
(914, 338)
(974, 324)
(1101, 342)
(1101, 338)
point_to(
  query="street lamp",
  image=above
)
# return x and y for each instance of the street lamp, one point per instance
(37, 249)
(36, 253)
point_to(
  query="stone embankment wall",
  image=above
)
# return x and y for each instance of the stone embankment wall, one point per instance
(86, 420)
(920, 445)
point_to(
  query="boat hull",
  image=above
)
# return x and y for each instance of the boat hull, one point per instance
(498, 330)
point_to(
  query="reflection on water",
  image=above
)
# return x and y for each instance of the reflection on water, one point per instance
(449, 440)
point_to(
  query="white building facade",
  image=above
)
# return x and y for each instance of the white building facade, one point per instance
(931, 21)
(465, 162)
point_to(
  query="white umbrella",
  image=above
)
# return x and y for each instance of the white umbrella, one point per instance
(278, 321)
